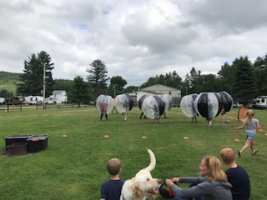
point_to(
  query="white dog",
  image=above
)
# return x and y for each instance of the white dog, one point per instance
(142, 186)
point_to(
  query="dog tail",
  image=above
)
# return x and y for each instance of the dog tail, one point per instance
(152, 164)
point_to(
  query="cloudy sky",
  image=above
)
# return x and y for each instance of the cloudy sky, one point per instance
(135, 39)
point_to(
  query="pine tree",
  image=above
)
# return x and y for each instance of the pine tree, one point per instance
(227, 77)
(244, 83)
(46, 62)
(97, 77)
(260, 69)
(32, 77)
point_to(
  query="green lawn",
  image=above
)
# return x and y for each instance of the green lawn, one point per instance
(74, 167)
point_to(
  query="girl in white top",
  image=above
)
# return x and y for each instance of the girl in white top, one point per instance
(252, 125)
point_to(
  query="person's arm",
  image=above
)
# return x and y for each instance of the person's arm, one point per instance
(192, 180)
(259, 128)
(239, 127)
(194, 191)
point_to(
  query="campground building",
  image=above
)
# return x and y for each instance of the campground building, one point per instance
(158, 89)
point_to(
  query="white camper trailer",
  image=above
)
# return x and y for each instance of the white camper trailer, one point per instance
(261, 102)
(33, 100)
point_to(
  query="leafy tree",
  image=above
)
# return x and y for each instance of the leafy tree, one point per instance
(5, 94)
(80, 92)
(63, 84)
(117, 84)
(152, 81)
(32, 78)
(131, 88)
(97, 77)
(171, 79)
(244, 83)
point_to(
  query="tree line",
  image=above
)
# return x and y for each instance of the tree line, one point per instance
(243, 79)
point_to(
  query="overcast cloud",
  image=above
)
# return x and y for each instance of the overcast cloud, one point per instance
(135, 39)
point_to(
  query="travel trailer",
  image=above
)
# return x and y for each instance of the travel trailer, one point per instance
(261, 102)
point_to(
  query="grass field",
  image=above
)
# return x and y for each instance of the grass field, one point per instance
(9, 81)
(9, 85)
(74, 167)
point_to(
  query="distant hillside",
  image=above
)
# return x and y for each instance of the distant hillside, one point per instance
(9, 76)
(8, 81)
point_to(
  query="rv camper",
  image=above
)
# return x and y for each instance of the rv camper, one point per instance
(261, 102)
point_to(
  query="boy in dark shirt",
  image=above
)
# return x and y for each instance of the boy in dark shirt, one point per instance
(236, 175)
(111, 189)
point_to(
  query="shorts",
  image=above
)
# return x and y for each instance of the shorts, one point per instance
(250, 135)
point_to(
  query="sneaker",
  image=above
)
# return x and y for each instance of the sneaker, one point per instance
(239, 154)
(254, 152)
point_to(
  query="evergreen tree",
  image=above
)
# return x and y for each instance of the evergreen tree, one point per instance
(32, 77)
(260, 69)
(80, 92)
(186, 86)
(97, 77)
(46, 63)
(244, 83)
(207, 83)
(227, 77)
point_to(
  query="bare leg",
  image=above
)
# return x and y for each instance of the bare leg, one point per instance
(254, 151)
(125, 116)
(209, 123)
(252, 146)
(246, 145)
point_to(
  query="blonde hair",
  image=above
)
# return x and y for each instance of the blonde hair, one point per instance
(250, 113)
(114, 166)
(227, 155)
(215, 170)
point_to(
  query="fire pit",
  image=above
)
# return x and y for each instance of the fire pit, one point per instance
(17, 149)
(12, 139)
(37, 143)
(23, 144)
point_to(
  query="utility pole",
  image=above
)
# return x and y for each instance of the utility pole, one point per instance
(44, 87)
